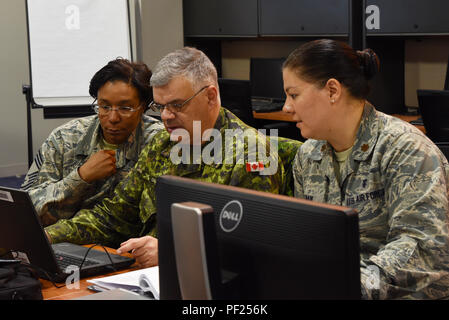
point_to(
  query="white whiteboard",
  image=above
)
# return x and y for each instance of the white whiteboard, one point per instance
(70, 40)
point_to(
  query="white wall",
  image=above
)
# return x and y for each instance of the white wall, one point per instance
(425, 66)
(13, 73)
(162, 29)
(161, 32)
(236, 54)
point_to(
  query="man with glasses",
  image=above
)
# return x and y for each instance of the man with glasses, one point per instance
(187, 96)
(82, 161)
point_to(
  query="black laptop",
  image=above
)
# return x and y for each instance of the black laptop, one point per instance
(22, 233)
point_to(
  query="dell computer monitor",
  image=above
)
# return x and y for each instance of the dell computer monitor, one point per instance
(264, 246)
(266, 78)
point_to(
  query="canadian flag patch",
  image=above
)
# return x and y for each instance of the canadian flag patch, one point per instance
(254, 166)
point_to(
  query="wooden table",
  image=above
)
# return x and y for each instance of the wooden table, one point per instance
(283, 116)
(410, 118)
(276, 115)
(50, 292)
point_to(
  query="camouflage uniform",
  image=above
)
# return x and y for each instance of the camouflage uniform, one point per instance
(287, 149)
(132, 211)
(53, 182)
(398, 180)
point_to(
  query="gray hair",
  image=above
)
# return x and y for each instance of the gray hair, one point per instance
(188, 62)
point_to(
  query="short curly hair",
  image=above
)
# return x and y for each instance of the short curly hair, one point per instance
(135, 74)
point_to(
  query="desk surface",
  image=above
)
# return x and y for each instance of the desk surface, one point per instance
(283, 116)
(50, 292)
(276, 115)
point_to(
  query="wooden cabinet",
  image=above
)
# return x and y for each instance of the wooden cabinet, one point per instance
(303, 17)
(407, 17)
(259, 18)
(223, 18)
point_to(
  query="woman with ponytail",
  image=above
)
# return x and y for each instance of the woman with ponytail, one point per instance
(385, 168)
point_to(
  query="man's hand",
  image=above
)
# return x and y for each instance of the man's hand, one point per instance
(144, 250)
(99, 166)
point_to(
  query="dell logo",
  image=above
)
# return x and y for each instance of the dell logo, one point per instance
(231, 215)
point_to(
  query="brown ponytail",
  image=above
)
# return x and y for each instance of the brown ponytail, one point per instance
(320, 60)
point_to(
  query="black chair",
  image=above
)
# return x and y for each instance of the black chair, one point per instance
(285, 129)
(444, 147)
(236, 97)
(434, 108)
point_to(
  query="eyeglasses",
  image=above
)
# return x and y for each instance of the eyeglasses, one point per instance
(173, 107)
(124, 111)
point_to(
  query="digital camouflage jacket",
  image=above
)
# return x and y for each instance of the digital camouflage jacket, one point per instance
(53, 182)
(132, 210)
(398, 180)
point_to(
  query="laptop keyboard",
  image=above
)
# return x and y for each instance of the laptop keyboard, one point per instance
(265, 106)
(65, 260)
(417, 122)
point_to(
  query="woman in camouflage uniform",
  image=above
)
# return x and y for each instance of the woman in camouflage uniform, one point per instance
(82, 161)
(385, 168)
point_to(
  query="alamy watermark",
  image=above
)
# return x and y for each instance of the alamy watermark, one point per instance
(73, 280)
(260, 147)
